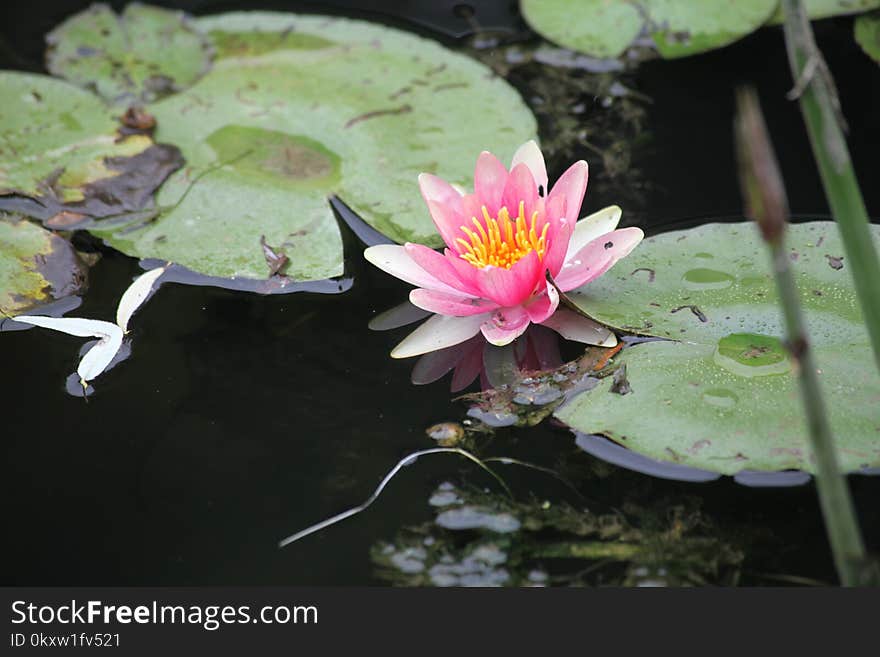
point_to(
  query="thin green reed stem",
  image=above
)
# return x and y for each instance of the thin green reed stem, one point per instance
(765, 199)
(815, 90)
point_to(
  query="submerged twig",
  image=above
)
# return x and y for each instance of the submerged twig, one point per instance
(766, 202)
(407, 460)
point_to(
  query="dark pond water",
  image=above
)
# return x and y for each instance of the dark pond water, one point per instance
(240, 419)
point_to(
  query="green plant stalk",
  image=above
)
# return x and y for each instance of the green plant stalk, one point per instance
(834, 496)
(765, 199)
(817, 95)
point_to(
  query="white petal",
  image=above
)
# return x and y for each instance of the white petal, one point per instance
(405, 313)
(439, 332)
(98, 357)
(589, 228)
(530, 155)
(83, 328)
(135, 295)
(393, 259)
(572, 326)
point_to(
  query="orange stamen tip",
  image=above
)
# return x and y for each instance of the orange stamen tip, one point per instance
(501, 241)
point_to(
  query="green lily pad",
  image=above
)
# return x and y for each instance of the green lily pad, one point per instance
(606, 28)
(725, 398)
(140, 56)
(298, 108)
(36, 267)
(867, 32)
(63, 157)
(818, 9)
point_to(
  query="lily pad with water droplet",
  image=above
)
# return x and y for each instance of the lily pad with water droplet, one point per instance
(723, 396)
(606, 28)
(299, 108)
(139, 56)
(36, 267)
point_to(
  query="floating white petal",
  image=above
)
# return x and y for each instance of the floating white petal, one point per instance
(98, 357)
(135, 295)
(589, 228)
(572, 326)
(439, 332)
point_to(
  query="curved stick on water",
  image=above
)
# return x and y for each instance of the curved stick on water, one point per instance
(407, 460)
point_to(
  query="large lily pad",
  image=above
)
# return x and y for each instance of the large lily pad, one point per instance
(298, 108)
(817, 9)
(140, 56)
(606, 28)
(725, 398)
(62, 155)
(36, 267)
(867, 32)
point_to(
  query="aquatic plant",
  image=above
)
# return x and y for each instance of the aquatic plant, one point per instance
(512, 247)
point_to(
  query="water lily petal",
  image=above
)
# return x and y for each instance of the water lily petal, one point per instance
(444, 303)
(440, 267)
(520, 187)
(432, 366)
(510, 287)
(490, 177)
(558, 234)
(544, 343)
(572, 185)
(445, 205)
(589, 228)
(401, 315)
(394, 259)
(439, 332)
(470, 365)
(505, 325)
(544, 305)
(576, 327)
(134, 297)
(530, 155)
(597, 257)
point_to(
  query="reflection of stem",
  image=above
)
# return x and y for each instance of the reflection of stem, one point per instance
(406, 460)
(821, 111)
(765, 200)
(587, 550)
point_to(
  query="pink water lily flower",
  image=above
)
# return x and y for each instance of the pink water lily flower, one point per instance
(501, 241)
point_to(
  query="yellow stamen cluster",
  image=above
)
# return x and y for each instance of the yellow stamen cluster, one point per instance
(501, 241)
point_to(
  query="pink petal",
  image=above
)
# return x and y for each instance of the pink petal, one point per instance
(393, 259)
(576, 327)
(520, 187)
(558, 235)
(435, 364)
(530, 155)
(439, 332)
(545, 345)
(470, 365)
(510, 287)
(572, 185)
(589, 228)
(597, 257)
(490, 177)
(505, 325)
(443, 303)
(544, 305)
(438, 266)
(445, 205)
